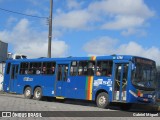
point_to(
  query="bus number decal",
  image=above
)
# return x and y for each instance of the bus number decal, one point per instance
(27, 79)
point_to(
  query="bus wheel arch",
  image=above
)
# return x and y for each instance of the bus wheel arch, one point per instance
(37, 93)
(28, 92)
(102, 98)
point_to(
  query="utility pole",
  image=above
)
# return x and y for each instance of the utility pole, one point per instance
(50, 29)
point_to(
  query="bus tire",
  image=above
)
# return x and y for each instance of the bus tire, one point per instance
(28, 93)
(38, 93)
(102, 100)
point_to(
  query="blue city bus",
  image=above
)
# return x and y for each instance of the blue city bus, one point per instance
(120, 79)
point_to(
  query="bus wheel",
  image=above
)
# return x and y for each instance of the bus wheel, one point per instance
(102, 100)
(38, 93)
(28, 93)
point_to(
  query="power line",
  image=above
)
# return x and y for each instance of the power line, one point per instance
(22, 13)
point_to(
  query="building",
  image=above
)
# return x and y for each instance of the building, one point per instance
(3, 58)
(3, 51)
(3, 55)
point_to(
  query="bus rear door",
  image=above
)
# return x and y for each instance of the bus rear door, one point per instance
(61, 79)
(120, 82)
(13, 77)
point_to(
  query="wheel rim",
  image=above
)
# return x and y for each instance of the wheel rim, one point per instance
(38, 94)
(102, 100)
(28, 92)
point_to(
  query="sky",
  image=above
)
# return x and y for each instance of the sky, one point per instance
(82, 27)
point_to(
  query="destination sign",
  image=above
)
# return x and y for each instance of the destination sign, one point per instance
(144, 61)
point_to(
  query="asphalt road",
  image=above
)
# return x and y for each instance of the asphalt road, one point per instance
(22, 108)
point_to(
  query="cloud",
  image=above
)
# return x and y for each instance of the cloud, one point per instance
(100, 46)
(73, 4)
(124, 22)
(35, 6)
(37, 3)
(105, 14)
(136, 49)
(123, 14)
(108, 46)
(11, 20)
(34, 49)
(32, 12)
(122, 7)
(131, 31)
(77, 19)
(33, 43)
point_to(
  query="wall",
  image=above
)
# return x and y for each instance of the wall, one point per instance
(2, 68)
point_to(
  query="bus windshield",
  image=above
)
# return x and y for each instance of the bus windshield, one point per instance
(144, 75)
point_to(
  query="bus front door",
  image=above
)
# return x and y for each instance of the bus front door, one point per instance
(120, 82)
(61, 79)
(13, 77)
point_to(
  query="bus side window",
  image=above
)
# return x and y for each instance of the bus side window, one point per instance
(35, 68)
(86, 68)
(91, 68)
(104, 68)
(82, 69)
(24, 68)
(48, 68)
(38, 67)
(31, 67)
(73, 69)
(8, 68)
(52, 68)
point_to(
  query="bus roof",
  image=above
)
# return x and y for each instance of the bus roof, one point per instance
(111, 57)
